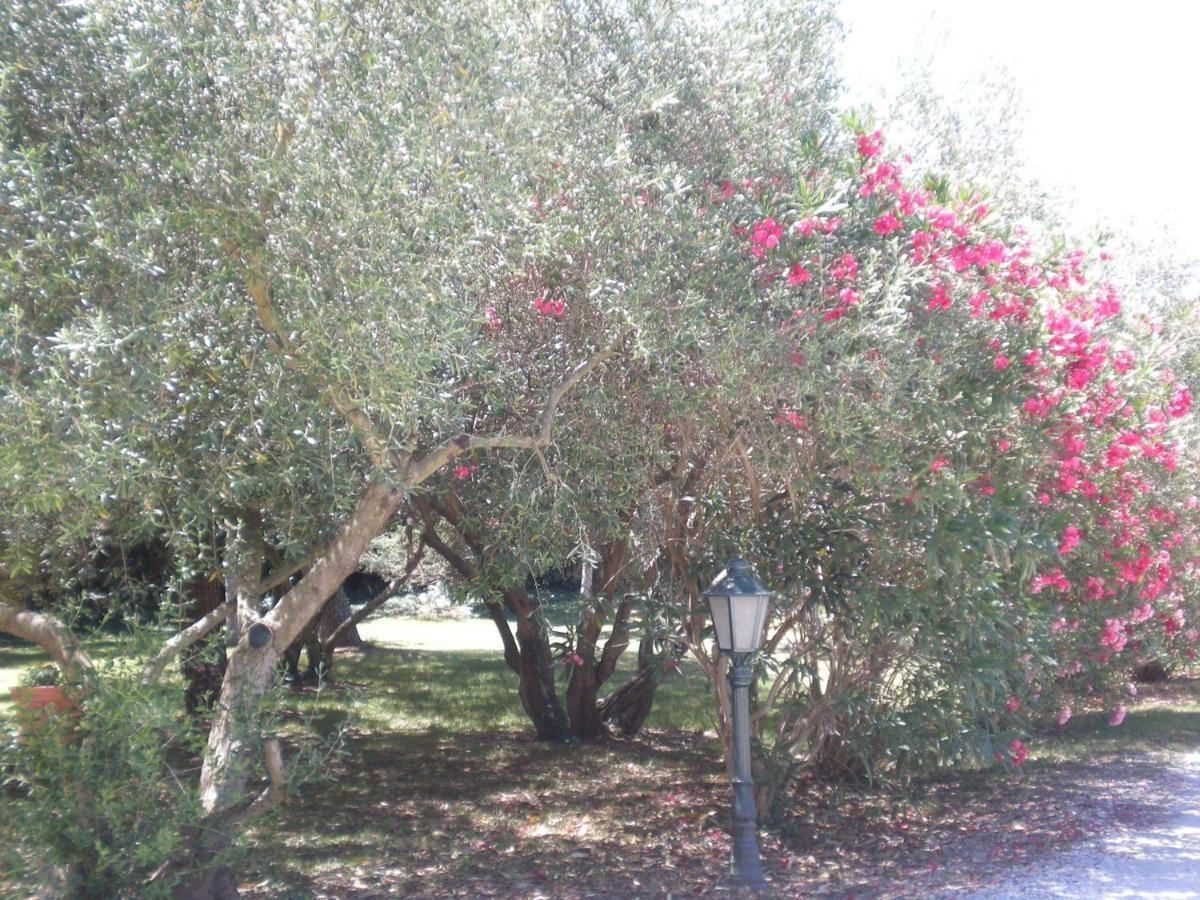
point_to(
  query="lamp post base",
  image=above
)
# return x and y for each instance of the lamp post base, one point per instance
(749, 883)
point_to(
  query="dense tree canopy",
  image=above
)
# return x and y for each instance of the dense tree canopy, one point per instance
(571, 281)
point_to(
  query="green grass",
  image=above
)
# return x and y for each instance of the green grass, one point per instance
(1163, 719)
(449, 675)
(441, 788)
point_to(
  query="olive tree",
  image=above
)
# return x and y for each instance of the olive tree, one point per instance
(264, 260)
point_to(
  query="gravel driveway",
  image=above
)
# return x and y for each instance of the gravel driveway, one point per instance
(1161, 862)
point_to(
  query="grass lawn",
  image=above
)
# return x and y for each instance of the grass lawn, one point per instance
(440, 791)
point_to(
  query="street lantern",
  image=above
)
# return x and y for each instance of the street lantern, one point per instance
(739, 602)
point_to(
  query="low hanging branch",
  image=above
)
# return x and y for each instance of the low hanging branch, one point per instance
(281, 576)
(52, 636)
(185, 639)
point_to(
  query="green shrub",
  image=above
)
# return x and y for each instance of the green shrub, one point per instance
(104, 799)
(41, 676)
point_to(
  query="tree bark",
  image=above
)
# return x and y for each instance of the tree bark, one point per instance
(227, 761)
(583, 710)
(337, 611)
(538, 694)
(628, 706)
(52, 636)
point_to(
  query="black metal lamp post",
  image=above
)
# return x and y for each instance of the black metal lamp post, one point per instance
(739, 602)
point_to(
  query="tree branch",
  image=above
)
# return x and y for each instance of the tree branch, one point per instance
(52, 636)
(275, 792)
(422, 466)
(339, 398)
(184, 639)
(278, 577)
(378, 600)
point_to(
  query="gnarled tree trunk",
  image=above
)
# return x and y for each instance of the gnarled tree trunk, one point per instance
(583, 708)
(628, 706)
(539, 696)
(337, 611)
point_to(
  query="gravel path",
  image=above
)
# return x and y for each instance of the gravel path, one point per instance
(1160, 862)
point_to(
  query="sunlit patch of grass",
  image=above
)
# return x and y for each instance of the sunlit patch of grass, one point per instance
(420, 675)
(1162, 719)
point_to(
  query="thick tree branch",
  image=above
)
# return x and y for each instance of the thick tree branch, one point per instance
(52, 636)
(617, 642)
(280, 576)
(303, 602)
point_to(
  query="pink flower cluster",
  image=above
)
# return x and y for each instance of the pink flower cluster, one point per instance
(792, 418)
(1080, 391)
(547, 307)
(765, 236)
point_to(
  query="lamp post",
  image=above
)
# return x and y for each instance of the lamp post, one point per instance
(738, 602)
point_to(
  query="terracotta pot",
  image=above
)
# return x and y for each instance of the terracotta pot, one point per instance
(35, 704)
(31, 699)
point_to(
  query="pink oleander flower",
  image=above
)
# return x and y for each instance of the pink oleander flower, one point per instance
(844, 268)
(939, 299)
(1000, 362)
(1013, 704)
(1064, 715)
(1142, 613)
(1003, 445)
(547, 307)
(939, 463)
(765, 236)
(1118, 716)
(1019, 753)
(1114, 635)
(1070, 539)
(1181, 402)
(887, 223)
(798, 275)
(870, 144)
(791, 417)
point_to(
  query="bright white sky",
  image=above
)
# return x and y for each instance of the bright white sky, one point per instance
(1112, 90)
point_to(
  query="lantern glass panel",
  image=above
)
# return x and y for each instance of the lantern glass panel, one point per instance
(748, 613)
(719, 606)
